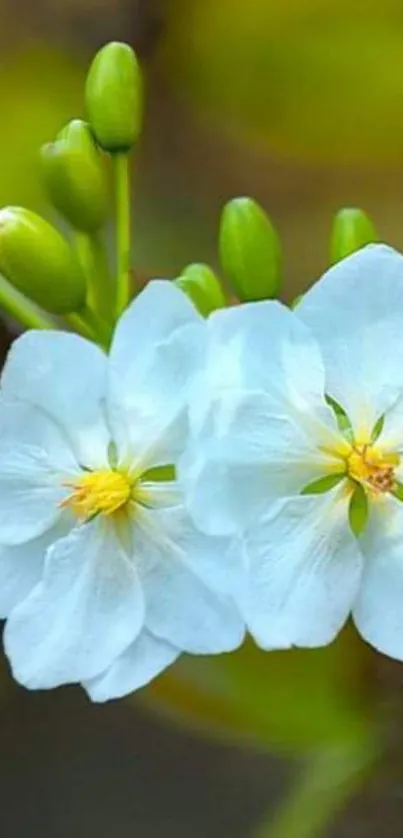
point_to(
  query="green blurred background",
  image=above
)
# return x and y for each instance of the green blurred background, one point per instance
(299, 104)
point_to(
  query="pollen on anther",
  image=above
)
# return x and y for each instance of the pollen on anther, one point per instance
(373, 468)
(98, 492)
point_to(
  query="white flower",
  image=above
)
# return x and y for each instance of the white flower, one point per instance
(103, 577)
(264, 434)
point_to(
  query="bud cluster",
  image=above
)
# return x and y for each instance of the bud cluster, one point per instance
(69, 273)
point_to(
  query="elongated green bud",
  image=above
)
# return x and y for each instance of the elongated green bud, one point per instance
(114, 97)
(37, 260)
(352, 229)
(250, 250)
(201, 285)
(75, 178)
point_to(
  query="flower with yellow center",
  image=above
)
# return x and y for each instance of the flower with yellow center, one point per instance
(374, 469)
(296, 450)
(104, 579)
(99, 492)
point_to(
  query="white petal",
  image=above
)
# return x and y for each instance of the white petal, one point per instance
(65, 376)
(356, 313)
(21, 567)
(86, 611)
(162, 493)
(302, 572)
(180, 607)
(142, 661)
(155, 352)
(244, 455)
(391, 437)
(261, 346)
(206, 556)
(378, 612)
(35, 460)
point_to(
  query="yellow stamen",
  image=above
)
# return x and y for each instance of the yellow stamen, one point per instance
(376, 469)
(98, 492)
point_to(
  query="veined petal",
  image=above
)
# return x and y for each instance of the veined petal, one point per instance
(302, 571)
(65, 376)
(262, 347)
(160, 494)
(142, 661)
(245, 455)
(35, 460)
(378, 612)
(206, 556)
(84, 613)
(355, 312)
(154, 355)
(391, 436)
(21, 567)
(180, 606)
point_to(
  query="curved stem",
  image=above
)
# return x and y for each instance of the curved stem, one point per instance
(123, 229)
(21, 309)
(88, 324)
(330, 778)
(94, 264)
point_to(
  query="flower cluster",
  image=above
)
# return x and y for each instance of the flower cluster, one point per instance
(206, 476)
(180, 472)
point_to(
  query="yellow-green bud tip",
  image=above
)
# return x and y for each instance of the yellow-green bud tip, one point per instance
(352, 229)
(201, 285)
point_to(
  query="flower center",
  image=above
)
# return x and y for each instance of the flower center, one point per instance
(98, 492)
(373, 468)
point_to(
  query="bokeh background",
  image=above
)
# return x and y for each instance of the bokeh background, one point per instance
(299, 104)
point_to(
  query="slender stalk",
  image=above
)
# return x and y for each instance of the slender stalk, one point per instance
(330, 778)
(79, 324)
(21, 309)
(123, 229)
(94, 264)
(91, 326)
(102, 329)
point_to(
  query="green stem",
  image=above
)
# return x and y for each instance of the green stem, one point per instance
(331, 777)
(91, 326)
(22, 310)
(94, 264)
(79, 324)
(123, 230)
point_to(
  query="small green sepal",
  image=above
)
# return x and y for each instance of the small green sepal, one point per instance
(323, 484)
(352, 229)
(358, 510)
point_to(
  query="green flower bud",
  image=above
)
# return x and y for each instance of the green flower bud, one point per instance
(78, 134)
(352, 229)
(38, 261)
(250, 250)
(114, 97)
(202, 287)
(75, 178)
